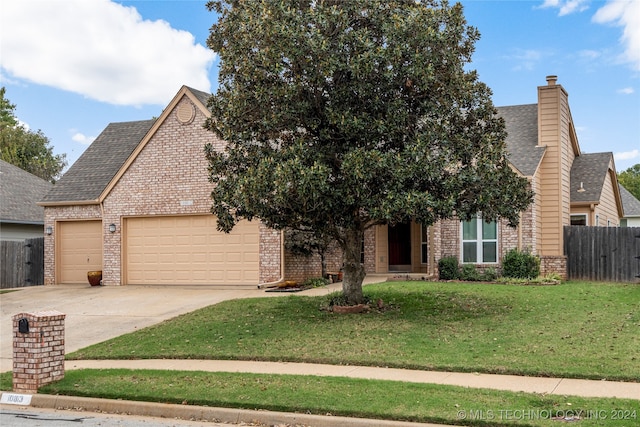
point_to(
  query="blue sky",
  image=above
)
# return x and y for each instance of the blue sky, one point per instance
(73, 66)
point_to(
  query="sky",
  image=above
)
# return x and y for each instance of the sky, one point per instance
(71, 67)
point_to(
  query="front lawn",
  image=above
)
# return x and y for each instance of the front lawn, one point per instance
(577, 329)
(350, 397)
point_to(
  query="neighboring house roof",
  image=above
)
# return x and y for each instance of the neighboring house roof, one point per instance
(590, 171)
(19, 193)
(630, 205)
(521, 123)
(91, 173)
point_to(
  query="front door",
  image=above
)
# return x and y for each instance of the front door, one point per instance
(400, 247)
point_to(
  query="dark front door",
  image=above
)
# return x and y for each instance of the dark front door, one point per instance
(400, 247)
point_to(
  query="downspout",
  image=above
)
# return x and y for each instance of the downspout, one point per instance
(281, 278)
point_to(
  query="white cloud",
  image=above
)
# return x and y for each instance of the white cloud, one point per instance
(624, 13)
(627, 155)
(626, 91)
(566, 7)
(527, 59)
(82, 138)
(100, 49)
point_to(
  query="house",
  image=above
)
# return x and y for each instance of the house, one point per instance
(20, 216)
(136, 205)
(571, 188)
(631, 207)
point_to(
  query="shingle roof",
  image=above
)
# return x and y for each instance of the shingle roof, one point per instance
(19, 193)
(92, 172)
(590, 170)
(202, 96)
(630, 205)
(521, 122)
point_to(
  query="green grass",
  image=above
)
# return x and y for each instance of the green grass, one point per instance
(576, 330)
(343, 397)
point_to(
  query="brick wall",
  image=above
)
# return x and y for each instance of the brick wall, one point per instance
(300, 268)
(554, 264)
(171, 169)
(38, 356)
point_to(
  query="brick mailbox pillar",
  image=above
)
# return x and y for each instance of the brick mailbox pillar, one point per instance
(38, 350)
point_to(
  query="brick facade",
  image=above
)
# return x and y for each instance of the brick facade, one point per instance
(38, 355)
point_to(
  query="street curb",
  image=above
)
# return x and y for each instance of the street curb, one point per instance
(204, 413)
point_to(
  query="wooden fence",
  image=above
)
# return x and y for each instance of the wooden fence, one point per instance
(603, 253)
(21, 263)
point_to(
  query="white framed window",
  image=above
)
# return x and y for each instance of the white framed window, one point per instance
(479, 241)
(597, 220)
(424, 244)
(579, 219)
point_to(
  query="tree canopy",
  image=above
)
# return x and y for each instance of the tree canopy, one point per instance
(630, 179)
(343, 115)
(24, 148)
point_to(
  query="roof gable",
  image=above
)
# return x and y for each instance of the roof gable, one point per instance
(85, 181)
(589, 171)
(20, 192)
(521, 124)
(100, 167)
(630, 205)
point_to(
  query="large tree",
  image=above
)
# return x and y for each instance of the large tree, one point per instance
(342, 115)
(25, 148)
(630, 179)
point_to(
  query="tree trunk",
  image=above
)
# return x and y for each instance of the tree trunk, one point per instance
(353, 268)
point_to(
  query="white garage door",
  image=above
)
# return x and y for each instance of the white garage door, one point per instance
(188, 250)
(78, 250)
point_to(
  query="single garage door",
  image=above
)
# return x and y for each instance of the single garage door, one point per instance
(79, 249)
(188, 250)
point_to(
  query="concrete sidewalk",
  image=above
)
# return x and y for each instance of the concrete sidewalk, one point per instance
(556, 386)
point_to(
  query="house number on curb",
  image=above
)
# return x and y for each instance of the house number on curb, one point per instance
(15, 399)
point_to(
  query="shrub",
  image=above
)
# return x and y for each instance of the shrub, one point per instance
(448, 268)
(469, 272)
(520, 265)
(489, 275)
(315, 282)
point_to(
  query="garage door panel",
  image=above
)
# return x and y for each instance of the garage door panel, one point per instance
(79, 250)
(190, 250)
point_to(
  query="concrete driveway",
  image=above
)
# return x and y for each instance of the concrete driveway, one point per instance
(95, 314)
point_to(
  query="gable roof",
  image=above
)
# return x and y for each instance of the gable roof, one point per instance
(630, 205)
(19, 193)
(590, 170)
(100, 167)
(521, 123)
(92, 172)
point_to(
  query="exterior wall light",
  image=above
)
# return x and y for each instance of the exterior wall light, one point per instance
(112, 228)
(49, 230)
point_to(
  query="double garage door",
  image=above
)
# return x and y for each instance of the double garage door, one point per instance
(176, 250)
(188, 250)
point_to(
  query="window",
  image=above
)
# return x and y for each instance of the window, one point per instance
(479, 241)
(579, 219)
(597, 220)
(424, 245)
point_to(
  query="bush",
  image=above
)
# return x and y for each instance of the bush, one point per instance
(315, 282)
(520, 265)
(448, 268)
(489, 275)
(469, 272)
